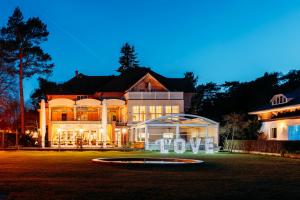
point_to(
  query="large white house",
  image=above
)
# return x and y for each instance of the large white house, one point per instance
(108, 111)
(281, 117)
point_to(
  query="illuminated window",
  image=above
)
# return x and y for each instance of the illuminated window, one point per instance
(168, 110)
(142, 113)
(158, 111)
(135, 115)
(175, 109)
(155, 111)
(82, 113)
(138, 113)
(152, 112)
(172, 110)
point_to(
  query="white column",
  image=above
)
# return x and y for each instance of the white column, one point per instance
(135, 134)
(74, 137)
(146, 138)
(97, 137)
(177, 131)
(74, 113)
(104, 122)
(89, 137)
(43, 122)
(49, 113)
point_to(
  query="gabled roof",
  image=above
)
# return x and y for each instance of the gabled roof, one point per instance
(294, 99)
(83, 84)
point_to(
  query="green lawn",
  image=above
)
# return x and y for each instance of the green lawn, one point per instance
(72, 175)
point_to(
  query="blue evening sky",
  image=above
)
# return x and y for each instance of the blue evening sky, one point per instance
(218, 40)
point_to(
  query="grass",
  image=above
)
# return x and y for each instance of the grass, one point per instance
(72, 175)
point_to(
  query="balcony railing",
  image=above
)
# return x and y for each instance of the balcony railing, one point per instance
(154, 95)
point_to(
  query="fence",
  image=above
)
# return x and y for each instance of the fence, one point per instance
(268, 146)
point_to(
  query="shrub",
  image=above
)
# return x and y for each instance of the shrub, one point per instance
(270, 146)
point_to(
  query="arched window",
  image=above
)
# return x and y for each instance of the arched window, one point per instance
(278, 99)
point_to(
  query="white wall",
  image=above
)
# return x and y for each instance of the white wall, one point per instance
(281, 125)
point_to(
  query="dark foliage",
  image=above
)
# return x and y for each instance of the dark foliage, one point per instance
(216, 101)
(191, 78)
(40, 92)
(21, 49)
(128, 59)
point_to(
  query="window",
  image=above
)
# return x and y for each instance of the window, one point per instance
(64, 117)
(175, 109)
(279, 99)
(138, 113)
(294, 132)
(172, 110)
(82, 97)
(273, 133)
(155, 111)
(168, 110)
(82, 113)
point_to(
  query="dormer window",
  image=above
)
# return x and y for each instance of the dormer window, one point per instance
(79, 97)
(278, 99)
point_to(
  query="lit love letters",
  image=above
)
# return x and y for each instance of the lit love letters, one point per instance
(180, 145)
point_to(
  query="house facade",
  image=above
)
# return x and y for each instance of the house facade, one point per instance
(281, 117)
(100, 111)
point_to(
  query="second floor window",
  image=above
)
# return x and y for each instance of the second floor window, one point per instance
(155, 111)
(172, 110)
(82, 113)
(64, 117)
(138, 113)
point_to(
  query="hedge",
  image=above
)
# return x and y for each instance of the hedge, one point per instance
(269, 146)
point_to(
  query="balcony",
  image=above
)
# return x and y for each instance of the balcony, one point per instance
(153, 95)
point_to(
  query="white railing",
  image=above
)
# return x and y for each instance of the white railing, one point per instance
(154, 95)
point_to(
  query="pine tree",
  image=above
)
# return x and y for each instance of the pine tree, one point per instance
(190, 76)
(128, 59)
(22, 48)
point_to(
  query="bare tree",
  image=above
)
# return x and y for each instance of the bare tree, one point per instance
(234, 124)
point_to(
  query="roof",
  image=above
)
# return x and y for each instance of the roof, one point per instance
(178, 119)
(294, 99)
(83, 84)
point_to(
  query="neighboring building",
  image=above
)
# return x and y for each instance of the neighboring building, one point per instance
(93, 111)
(281, 117)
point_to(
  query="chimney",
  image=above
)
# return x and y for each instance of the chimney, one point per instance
(76, 73)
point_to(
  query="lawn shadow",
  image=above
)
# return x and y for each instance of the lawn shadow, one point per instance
(167, 167)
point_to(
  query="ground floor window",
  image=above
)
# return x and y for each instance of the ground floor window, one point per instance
(73, 138)
(273, 133)
(294, 132)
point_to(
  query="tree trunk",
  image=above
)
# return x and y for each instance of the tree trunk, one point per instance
(3, 139)
(17, 139)
(232, 137)
(22, 109)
